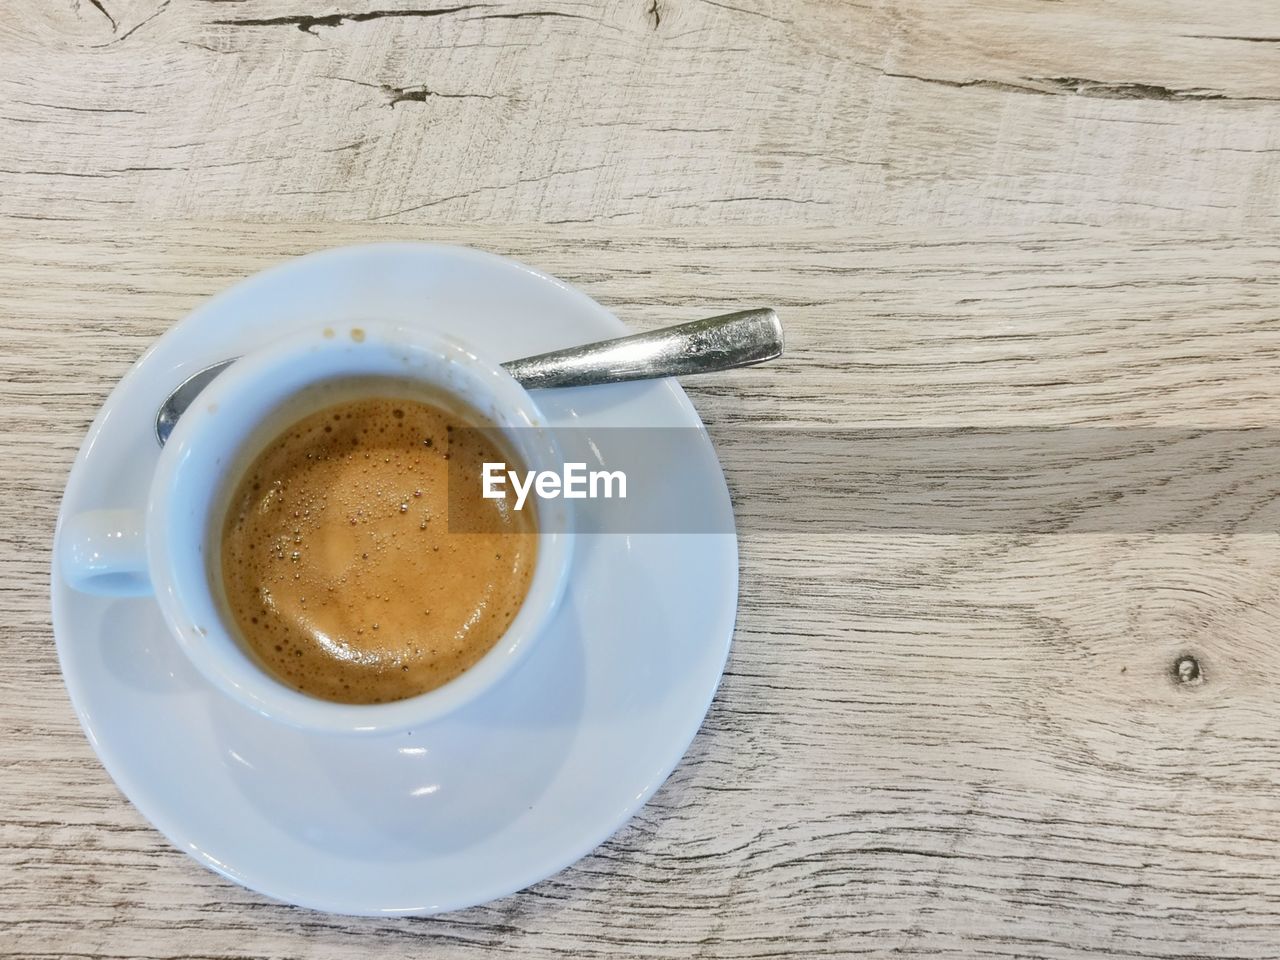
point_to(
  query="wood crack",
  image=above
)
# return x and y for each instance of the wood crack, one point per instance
(470, 193)
(762, 199)
(64, 106)
(308, 23)
(1237, 39)
(97, 5)
(749, 13)
(532, 14)
(1083, 87)
(419, 93)
(1125, 90)
(137, 26)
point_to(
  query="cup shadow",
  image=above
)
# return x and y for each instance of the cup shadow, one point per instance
(139, 652)
(429, 791)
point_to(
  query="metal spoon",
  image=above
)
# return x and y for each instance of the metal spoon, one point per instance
(703, 346)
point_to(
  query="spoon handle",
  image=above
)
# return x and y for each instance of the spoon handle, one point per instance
(703, 346)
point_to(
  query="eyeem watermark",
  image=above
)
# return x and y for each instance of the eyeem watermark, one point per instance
(856, 482)
(574, 482)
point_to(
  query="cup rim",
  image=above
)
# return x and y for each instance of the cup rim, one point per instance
(213, 648)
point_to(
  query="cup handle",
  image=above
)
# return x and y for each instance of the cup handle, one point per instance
(104, 552)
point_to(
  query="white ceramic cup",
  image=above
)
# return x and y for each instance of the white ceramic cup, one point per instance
(171, 548)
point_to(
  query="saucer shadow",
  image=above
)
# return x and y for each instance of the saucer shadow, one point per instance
(430, 791)
(655, 665)
(139, 652)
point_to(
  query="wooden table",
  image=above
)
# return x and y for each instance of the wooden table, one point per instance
(970, 213)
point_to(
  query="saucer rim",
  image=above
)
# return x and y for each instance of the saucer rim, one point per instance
(168, 825)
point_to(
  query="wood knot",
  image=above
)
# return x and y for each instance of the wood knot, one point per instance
(1186, 671)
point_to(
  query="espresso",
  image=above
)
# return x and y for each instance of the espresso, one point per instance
(337, 563)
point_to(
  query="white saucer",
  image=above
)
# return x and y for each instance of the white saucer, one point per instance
(489, 800)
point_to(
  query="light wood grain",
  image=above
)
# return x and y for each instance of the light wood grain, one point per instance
(925, 744)
(660, 112)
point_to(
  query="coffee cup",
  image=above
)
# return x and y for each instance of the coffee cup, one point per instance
(169, 549)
